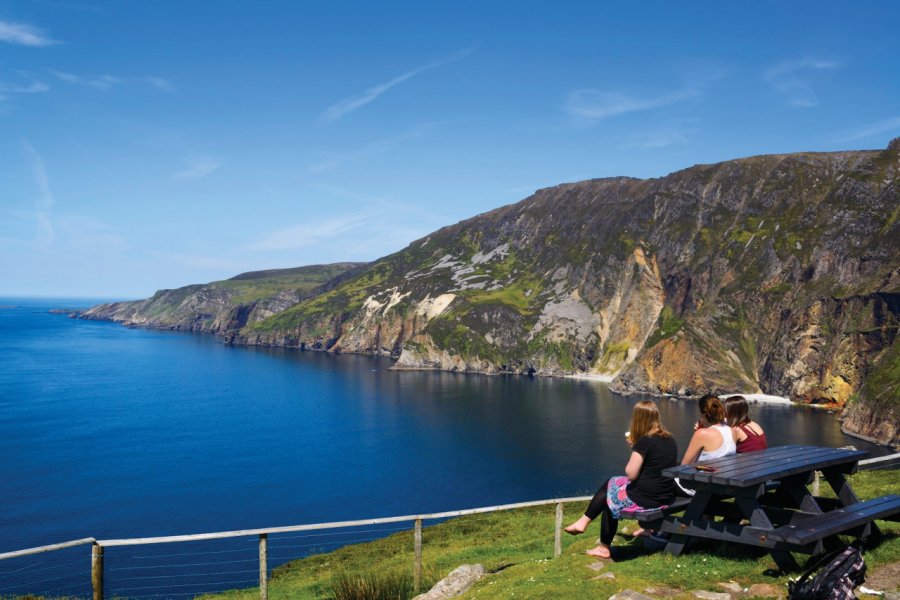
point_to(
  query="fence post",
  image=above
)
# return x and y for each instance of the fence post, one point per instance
(417, 543)
(557, 531)
(97, 570)
(815, 484)
(263, 567)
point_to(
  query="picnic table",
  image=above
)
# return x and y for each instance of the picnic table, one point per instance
(765, 502)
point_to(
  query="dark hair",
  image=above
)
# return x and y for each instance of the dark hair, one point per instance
(711, 410)
(737, 412)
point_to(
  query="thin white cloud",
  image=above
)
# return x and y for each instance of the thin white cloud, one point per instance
(44, 200)
(211, 263)
(163, 85)
(90, 236)
(596, 105)
(24, 35)
(309, 234)
(335, 160)
(104, 83)
(26, 85)
(383, 205)
(662, 137)
(198, 168)
(872, 129)
(352, 103)
(791, 79)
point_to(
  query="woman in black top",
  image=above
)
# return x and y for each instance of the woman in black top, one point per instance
(643, 486)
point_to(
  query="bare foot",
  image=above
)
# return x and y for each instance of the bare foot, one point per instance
(578, 526)
(640, 533)
(600, 551)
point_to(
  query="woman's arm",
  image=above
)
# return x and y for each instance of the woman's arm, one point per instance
(695, 446)
(633, 468)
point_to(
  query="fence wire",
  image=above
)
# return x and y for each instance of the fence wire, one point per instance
(196, 568)
(64, 573)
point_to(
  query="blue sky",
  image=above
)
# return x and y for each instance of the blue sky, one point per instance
(148, 145)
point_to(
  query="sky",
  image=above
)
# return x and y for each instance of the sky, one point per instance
(150, 145)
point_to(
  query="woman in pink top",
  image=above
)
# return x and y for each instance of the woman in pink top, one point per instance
(748, 435)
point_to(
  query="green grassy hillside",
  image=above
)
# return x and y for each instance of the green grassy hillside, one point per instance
(517, 548)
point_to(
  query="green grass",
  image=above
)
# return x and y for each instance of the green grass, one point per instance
(517, 548)
(667, 326)
(261, 284)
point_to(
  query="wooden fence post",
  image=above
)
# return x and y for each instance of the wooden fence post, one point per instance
(815, 484)
(557, 531)
(263, 567)
(417, 543)
(97, 570)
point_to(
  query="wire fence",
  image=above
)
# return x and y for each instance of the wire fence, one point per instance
(193, 565)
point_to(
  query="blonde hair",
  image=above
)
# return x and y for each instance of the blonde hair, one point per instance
(645, 419)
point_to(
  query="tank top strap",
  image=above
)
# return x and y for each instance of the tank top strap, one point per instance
(746, 429)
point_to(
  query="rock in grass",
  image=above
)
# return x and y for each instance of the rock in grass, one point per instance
(662, 591)
(766, 590)
(731, 586)
(606, 575)
(596, 566)
(707, 595)
(458, 581)
(629, 595)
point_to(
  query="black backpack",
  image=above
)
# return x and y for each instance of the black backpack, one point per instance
(843, 571)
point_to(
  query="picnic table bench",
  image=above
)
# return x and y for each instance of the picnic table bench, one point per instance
(782, 518)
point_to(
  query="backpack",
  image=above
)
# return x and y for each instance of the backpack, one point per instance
(843, 571)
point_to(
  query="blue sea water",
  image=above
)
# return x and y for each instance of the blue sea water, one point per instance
(112, 432)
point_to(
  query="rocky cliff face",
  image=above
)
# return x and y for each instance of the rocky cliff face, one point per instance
(773, 273)
(222, 306)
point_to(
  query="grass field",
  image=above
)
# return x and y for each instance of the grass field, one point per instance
(517, 548)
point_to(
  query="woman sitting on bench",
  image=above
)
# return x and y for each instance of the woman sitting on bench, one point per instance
(748, 435)
(712, 437)
(643, 485)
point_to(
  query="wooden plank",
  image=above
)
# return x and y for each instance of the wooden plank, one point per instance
(742, 465)
(557, 531)
(694, 511)
(680, 503)
(837, 521)
(334, 525)
(97, 571)
(879, 459)
(49, 548)
(754, 467)
(727, 464)
(417, 549)
(263, 567)
(807, 455)
(841, 487)
(726, 532)
(764, 462)
(794, 467)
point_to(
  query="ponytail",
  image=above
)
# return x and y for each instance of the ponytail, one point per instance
(712, 410)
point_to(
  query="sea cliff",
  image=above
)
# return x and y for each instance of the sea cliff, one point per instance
(776, 274)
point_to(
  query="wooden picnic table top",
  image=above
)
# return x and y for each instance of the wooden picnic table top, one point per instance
(753, 468)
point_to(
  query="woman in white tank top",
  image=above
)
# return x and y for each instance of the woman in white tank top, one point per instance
(728, 444)
(713, 438)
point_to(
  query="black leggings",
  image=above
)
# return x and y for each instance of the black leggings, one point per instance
(599, 507)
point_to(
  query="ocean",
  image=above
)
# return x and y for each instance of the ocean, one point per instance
(112, 432)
